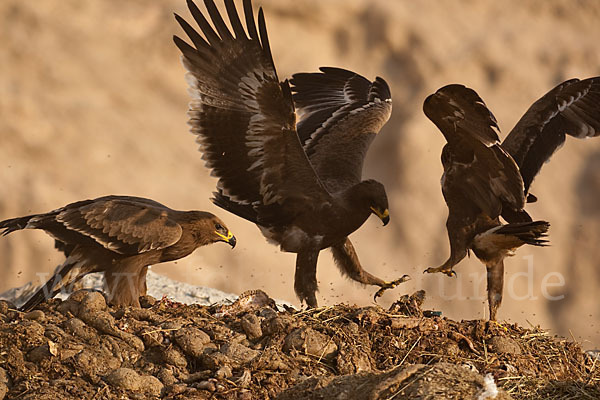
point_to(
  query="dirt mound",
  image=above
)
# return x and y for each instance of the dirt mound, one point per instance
(81, 348)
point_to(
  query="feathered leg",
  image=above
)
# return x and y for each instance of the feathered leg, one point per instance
(498, 242)
(495, 286)
(125, 282)
(142, 286)
(457, 235)
(347, 261)
(305, 279)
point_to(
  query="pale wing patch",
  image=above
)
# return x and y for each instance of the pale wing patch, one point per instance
(492, 243)
(370, 118)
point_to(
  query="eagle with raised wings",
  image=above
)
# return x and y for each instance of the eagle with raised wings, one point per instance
(484, 179)
(120, 236)
(300, 183)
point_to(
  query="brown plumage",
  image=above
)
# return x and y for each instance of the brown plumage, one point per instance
(120, 236)
(301, 184)
(484, 179)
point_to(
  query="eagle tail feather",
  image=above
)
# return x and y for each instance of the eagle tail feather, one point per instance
(39, 296)
(515, 216)
(65, 275)
(532, 233)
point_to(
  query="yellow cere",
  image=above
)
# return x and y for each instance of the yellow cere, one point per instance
(385, 214)
(229, 235)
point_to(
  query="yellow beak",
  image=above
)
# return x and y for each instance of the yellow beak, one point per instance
(229, 238)
(383, 216)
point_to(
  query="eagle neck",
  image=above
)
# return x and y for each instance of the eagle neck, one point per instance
(356, 203)
(184, 247)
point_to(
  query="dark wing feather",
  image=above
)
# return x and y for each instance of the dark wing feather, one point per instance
(243, 117)
(246, 211)
(473, 158)
(75, 267)
(460, 113)
(571, 108)
(125, 225)
(340, 114)
(483, 181)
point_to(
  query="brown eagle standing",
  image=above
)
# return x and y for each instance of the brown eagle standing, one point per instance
(484, 179)
(120, 236)
(301, 184)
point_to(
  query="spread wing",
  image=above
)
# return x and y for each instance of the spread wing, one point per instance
(126, 225)
(473, 157)
(340, 114)
(461, 114)
(571, 108)
(242, 115)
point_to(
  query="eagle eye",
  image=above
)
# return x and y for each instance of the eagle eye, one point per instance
(219, 227)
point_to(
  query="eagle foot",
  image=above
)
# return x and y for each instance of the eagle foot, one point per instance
(493, 322)
(448, 271)
(390, 285)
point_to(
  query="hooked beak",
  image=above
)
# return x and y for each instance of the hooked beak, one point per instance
(384, 215)
(229, 238)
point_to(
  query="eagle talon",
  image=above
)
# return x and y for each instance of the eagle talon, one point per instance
(498, 324)
(450, 272)
(390, 285)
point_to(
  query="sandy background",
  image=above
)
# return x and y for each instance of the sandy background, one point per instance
(93, 101)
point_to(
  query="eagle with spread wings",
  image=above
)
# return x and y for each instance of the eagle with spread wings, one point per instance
(120, 236)
(300, 183)
(484, 179)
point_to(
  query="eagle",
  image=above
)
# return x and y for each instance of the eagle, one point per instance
(299, 181)
(120, 236)
(485, 179)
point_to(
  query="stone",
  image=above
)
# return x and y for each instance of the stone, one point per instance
(191, 340)
(504, 345)
(35, 315)
(310, 342)
(251, 325)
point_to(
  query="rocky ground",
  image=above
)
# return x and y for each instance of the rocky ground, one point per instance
(253, 349)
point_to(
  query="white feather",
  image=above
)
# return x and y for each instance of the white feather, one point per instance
(490, 391)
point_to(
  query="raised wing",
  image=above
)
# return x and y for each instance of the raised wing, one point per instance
(121, 224)
(340, 114)
(483, 171)
(571, 108)
(460, 113)
(243, 117)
